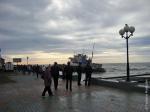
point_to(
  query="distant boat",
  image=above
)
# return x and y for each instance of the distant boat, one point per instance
(83, 59)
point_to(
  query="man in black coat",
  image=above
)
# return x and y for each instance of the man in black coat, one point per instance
(79, 71)
(55, 74)
(88, 73)
(68, 71)
(37, 70)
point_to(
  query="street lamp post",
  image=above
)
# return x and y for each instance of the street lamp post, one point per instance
(126, 33)
(0, 52)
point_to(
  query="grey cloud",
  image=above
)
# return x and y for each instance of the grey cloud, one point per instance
(24, 25)
(30, 43)
(93, 12)
(140, 41)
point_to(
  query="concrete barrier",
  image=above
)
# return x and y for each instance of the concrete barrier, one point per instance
(123, 85)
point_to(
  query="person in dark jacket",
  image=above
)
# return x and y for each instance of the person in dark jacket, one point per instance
(47, 81)
(79, 71)
(68, 71)
(88, 73)
(37, 70)
(55, 74)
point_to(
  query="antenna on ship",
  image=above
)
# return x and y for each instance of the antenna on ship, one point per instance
(83, 51)
(74, 52)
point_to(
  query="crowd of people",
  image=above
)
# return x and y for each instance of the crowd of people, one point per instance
(51, 72)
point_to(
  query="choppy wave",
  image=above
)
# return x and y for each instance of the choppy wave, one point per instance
(119, 69)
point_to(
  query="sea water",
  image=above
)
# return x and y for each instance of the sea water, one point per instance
(119, 69)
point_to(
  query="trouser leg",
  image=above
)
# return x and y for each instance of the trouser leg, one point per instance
(49, 91)
(70, 84)
(55, 83)
(66, 84)
(89, 80)
(44, 91)
(86, 79)
(37, 74)
(79, 79)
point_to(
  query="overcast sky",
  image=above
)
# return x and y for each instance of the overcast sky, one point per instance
(53, 30)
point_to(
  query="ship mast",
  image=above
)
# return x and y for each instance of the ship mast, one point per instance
(92, 51)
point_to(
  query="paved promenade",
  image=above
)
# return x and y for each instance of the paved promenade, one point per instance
(25, 96)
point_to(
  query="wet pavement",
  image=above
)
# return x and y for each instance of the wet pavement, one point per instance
(25, 96)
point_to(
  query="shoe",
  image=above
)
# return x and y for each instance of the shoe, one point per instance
(79, 84)
(51, 95)
(43, 96)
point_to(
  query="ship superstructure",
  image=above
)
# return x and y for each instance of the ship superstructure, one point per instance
(83, 59)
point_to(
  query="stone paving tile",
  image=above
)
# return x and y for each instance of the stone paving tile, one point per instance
(25, 96)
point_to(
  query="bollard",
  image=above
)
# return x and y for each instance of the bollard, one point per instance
(146, 95)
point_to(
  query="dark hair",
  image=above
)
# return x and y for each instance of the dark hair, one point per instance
(68, 63)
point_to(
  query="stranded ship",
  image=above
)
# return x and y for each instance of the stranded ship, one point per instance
(83, 59)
